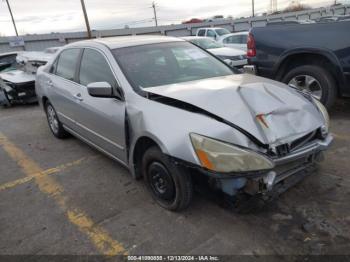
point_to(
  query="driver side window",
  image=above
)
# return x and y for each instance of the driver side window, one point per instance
(95, 68)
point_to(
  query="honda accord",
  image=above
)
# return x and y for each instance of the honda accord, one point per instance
(168, 110)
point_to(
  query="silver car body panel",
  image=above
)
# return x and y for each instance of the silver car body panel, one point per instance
(237, 99)
(240, 98)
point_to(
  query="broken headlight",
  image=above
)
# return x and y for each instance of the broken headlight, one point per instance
(325, 115)
(222, 157)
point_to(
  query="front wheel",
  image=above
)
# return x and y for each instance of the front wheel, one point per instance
(170, 185)
(315, 79)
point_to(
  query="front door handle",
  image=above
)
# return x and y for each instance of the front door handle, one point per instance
(49, 83)
(78, 97)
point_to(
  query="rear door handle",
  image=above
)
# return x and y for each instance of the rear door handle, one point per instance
(49, 83)
(78, 97)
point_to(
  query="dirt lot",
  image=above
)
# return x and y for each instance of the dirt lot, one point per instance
(63, 197)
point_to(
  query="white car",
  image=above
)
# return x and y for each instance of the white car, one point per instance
(232, 56)
(235, 40)
(212, 32)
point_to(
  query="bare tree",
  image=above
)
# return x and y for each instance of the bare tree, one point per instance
(296, 6)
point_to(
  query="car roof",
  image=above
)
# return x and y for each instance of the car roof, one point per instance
(126, 41)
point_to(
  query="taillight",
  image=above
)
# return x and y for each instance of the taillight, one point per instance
(251, 48)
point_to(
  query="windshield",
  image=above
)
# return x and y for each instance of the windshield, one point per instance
(222, 31)
(167, 63)
(206, 43)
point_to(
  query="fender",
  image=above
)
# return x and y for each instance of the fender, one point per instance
(316, 51)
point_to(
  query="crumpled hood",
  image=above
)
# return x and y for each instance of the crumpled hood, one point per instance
(17, 76)
(268, 110)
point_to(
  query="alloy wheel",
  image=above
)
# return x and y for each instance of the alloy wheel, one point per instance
(308, 83)
(52, 117)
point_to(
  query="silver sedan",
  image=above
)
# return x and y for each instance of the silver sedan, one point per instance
(170, 112)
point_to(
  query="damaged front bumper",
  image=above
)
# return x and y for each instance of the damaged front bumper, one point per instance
(22, 93)
(3, 98)
(288, 171)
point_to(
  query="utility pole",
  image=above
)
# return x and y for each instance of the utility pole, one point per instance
(253, 11)
(273, 6)
(155, 13)
(86, 19)
(13, 20)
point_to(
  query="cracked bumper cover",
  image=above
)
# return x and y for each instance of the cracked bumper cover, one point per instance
(297, 164)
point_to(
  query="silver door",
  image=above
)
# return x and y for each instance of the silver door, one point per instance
(100, 120)
(63, 88)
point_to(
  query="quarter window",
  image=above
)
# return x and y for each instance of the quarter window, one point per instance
(67, 63)
(236, 39)
(94, 68)
(244, 39)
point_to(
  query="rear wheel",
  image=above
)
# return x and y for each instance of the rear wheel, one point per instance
(318, 81)
(55, 125)
(170, 185)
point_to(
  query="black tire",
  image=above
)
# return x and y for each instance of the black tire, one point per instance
(178, 189)
(57, 131)
(326, 80)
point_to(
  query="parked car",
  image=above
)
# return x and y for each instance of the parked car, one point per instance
(212, 32)
(52, 50)
(17, 83)
(193, 21)
(312, 57)
(291, 22)
(233, 57)
(214, 18)
(333, 18)
(7, 60)
(235, 40)
(168, 111)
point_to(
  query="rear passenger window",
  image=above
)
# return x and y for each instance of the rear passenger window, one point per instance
(201, 32)
(67, 63)
(236, 39)
(94, 68)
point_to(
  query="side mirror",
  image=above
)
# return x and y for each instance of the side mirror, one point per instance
(102, 89)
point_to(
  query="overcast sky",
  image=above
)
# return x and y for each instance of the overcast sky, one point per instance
(38, 16)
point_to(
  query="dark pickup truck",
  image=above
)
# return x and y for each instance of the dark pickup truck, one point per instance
(315, 57)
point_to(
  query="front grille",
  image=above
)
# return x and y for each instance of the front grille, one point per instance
(302, 140)
(283, 150)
